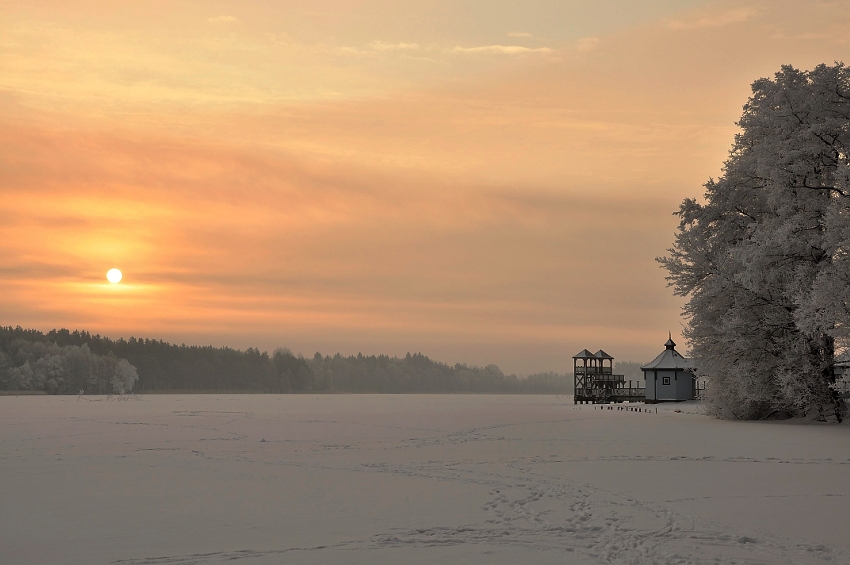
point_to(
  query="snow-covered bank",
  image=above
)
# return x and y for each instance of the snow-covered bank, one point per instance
(412, 479)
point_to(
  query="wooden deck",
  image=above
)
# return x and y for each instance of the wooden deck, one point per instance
(606, 392)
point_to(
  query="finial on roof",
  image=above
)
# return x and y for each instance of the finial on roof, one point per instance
(670, 343)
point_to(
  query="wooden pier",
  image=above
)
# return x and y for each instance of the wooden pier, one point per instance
(601, 392)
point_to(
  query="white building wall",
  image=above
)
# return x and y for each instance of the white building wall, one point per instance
(649, 382)
(680, 386)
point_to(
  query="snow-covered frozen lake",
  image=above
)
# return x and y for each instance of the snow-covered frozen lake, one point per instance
(260, 479)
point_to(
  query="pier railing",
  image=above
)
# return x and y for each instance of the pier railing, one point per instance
(590, 388)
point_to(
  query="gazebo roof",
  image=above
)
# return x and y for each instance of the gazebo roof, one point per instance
(602, 355)
(669, 359)
(583, 354)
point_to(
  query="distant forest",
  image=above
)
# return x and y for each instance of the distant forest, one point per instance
(66, 362)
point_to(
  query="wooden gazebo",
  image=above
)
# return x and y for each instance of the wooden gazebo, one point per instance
(595, 382)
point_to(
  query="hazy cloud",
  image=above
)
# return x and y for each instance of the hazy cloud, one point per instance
(502, 49)
(519, 34)
(586, 44)
(728, 17)
(381, 46)
(222, 20)
(367, 207)
(349, 51)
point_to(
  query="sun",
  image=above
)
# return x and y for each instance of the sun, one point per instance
(114, 276)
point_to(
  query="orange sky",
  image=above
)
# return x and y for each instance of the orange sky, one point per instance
(481, 181)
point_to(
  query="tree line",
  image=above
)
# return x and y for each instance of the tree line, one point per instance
(67, 362)
(36, 365)
(764, 257)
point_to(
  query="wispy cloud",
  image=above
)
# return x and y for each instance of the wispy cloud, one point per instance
(222, 19)
(728, 17)
(350, 51)
(381, 46)
(586, 44)
(503, 49)
(519, 34)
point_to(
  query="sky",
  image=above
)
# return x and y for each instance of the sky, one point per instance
(481, 181)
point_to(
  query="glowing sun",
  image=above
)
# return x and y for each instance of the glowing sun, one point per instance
(114, 276)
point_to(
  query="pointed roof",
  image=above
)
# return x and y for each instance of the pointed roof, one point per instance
(602, 355)
(583, 354)
(669, 359)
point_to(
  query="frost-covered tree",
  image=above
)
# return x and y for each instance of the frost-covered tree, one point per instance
(51, 370)
(764, 260)
(22, 378)
(62, 370)
(5, 365)
(124, 377)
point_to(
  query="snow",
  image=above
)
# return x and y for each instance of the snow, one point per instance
(260, 479)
